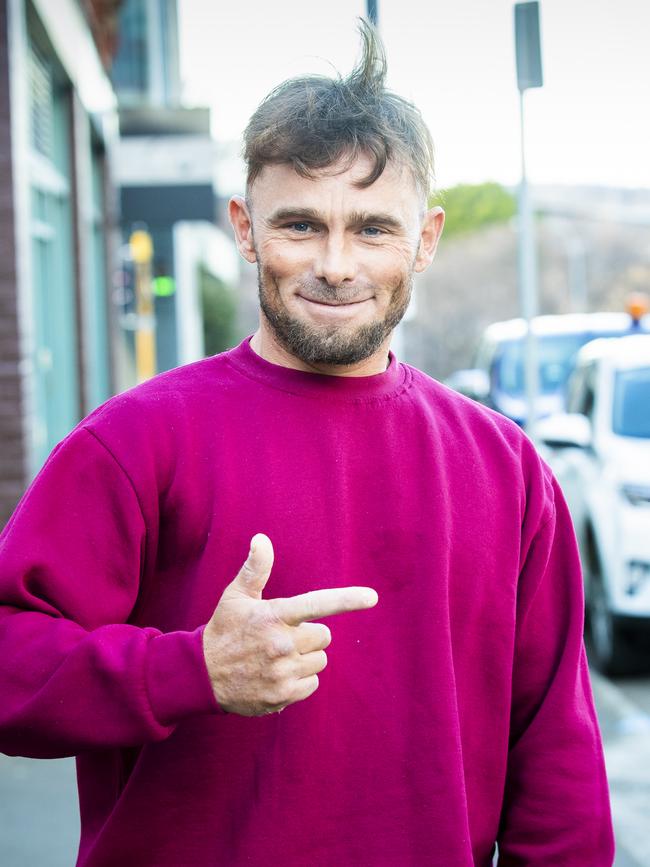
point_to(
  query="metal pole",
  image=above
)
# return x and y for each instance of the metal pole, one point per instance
(577, 269)
(528, 285)
(529, 74)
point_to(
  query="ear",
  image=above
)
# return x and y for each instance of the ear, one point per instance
(241, 221)
(434, 220)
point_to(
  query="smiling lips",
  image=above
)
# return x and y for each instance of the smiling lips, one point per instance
(328, 313)
(334, 303)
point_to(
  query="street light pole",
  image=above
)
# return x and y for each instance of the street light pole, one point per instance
(528, 285)
(529, 74)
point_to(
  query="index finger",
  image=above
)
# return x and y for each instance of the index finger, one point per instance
(323, 603)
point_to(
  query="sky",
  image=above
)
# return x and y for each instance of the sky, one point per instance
(588, 124)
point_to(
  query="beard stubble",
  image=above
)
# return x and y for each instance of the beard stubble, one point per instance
(333, 344)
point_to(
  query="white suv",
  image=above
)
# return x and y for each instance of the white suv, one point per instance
(600, 452)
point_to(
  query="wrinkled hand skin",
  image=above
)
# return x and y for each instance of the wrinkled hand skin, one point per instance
(265, 654)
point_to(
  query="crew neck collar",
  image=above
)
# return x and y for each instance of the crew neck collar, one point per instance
(388, 382)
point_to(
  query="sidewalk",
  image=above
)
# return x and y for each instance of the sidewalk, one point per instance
(626, 736)
(39, 816)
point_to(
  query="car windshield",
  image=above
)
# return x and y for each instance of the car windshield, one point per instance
(556, 355)
(631, 416)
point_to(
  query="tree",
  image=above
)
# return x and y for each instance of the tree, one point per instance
(469, 207)
(219, 313)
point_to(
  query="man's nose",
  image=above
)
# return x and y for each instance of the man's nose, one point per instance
(335, 262)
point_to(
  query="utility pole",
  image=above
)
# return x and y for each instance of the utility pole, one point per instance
(529, 74)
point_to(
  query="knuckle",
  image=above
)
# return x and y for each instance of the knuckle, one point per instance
(310, 603)
(247, 572)
(279, 672)
(350, 600)
(282, 694)
(272, 698)
(275, 608)
(264, 614)
(269, 706)
(304, 688)
(278, 645)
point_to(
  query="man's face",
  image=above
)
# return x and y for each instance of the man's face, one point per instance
(335, 261)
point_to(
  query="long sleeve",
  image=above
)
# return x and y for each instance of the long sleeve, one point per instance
(75, 675)
(556, 805)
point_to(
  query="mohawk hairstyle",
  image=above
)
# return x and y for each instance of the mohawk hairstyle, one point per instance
(312, 122)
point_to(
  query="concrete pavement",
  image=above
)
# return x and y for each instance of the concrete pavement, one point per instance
(39, 816)
(626, 736)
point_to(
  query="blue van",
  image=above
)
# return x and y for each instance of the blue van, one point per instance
(497, 378)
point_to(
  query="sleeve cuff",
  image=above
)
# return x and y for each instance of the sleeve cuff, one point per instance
(178, 683)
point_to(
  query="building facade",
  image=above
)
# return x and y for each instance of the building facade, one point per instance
(95, 144)
(58, 125)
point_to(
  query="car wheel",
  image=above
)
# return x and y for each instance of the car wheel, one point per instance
(610, 649)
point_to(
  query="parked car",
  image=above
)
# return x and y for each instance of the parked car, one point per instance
(600, 452)
(497, 378)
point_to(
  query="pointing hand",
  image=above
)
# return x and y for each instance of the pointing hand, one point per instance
(264, 654)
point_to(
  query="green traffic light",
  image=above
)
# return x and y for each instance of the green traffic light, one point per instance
(164, 286)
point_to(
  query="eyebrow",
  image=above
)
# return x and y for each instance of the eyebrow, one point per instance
(355, 219)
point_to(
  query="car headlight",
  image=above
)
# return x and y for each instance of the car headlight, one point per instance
(636, 495)
(638, 573)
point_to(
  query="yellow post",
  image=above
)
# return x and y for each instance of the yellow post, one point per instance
(141, 248)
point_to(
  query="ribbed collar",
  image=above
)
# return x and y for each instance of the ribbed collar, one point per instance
(356, 388)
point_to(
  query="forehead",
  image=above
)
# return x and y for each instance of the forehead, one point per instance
(280, 185)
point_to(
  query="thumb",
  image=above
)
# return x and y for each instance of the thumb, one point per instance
(254, 574)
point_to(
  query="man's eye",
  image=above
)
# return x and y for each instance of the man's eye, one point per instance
(302, 228)
(372, 231)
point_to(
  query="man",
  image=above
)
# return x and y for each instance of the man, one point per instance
(455, 712)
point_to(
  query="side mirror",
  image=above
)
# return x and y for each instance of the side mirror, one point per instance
(565, 430)
(473, 383)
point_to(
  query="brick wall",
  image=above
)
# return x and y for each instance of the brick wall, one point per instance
(102, 17)
(12, 452)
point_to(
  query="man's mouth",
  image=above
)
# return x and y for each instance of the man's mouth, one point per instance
(327, 303)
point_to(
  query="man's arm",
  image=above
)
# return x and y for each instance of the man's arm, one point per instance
(556, 802)
(74, 674)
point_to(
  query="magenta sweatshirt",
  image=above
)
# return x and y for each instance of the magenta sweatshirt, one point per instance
(456, 713)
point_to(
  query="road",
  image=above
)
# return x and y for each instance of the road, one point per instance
(636, 690)
(38, 811)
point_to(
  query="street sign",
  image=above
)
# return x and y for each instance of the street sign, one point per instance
(527, 46)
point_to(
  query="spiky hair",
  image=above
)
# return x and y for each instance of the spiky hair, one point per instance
(313, 122)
